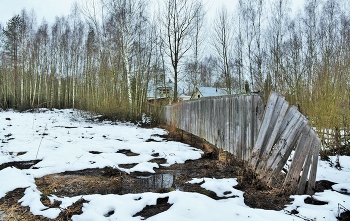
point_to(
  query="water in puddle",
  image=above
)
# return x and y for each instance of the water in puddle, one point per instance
(157, 181)
(150, 183)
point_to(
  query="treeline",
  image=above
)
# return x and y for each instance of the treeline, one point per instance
(106, 55)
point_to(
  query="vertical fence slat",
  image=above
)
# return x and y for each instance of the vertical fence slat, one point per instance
(313, 170)
(293, 175)
(248, 144)
(305, 172)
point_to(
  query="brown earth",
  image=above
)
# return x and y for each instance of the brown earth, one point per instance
(214, 163)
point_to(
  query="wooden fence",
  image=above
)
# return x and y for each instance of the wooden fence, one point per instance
(264, 137)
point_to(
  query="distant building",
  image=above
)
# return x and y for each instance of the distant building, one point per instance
(164, 93)
(200, 92)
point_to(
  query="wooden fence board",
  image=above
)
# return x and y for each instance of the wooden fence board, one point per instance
(259, 145)
(286, 121)
(293, 175)
(280, 111)
(313, 170)
(305, 172)
(248, 125)
(235, 125)
(285, 151)
(228, 123)
(281, 143)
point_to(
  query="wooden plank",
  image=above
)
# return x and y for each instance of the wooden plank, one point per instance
(283, 147)
(220, 143)
(275, 150)
(248, 123)
(260, 115)
(226, 123)
(258, 147)
(234, 125)
(305, 172)
(280, 111)
(239, 129)
(286, 120)
(209, 126)
(217, 129)
(286, 151)
(253, 119)
(204, 109)
(291, 181)
(230, 121)
(197, 118)
(313, 170)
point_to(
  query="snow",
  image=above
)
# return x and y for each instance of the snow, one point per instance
(326, 172)
(63, 140)
(219, 186)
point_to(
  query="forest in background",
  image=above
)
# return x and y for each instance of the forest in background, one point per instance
(106, 55)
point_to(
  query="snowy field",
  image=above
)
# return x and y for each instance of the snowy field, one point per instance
(63, 140)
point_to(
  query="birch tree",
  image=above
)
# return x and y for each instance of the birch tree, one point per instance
(127, 15)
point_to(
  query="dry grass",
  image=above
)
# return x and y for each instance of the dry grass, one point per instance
(73, 185)
(13, 211)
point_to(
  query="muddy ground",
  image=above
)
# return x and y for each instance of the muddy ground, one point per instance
(109, 180)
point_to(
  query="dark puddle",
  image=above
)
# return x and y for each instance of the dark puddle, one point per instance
(152, 140)
(323, 185)
(17, 154)
(110, 213)
(155, 182)
(343, 191)
(128, 152)
(149, 211)
(344, 216)
(22, 165)
(313, 201)
(95, 152)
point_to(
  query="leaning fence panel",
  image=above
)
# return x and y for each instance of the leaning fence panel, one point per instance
(263, 136)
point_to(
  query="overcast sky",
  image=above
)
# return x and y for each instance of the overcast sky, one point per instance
(43, 8)
(49, 9)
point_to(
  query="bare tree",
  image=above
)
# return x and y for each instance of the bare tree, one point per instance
(293, 47)
(129, 18)
(222, 41)
(277, 29)
(178, 22)
(197, 38)
(311, 19)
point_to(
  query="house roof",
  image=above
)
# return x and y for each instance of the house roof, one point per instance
(211, 91)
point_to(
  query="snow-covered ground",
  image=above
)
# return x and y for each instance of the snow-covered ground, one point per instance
(63, 139)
